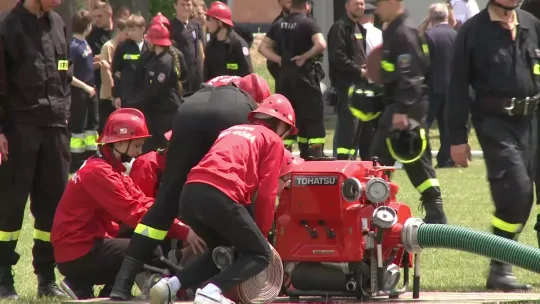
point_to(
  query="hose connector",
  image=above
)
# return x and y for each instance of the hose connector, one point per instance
(409, 235)
(223, 256)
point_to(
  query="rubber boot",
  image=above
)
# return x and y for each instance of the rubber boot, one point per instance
(500, 274)
(7, 288)
(433, 207)
(47, 286)
(126, 278)
(312, 152)
(77, 292)
(537, 229)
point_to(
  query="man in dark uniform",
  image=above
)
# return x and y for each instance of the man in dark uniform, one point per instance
(188, 38)
(497, 53)
(36, 109)
(293, 43)
(405, 61)
(226, 53)
(285, 5)
(347, 59)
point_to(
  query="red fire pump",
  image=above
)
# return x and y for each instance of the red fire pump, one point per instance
(338, 231)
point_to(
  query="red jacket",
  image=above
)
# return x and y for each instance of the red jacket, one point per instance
(243, 159)
(146, 171)
(96, 199)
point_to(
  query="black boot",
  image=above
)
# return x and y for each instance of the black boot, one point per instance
(126, 278)
(47, 287)
(501, 278)
(500, 274)
(433, 206)
(537, 229)
(7, 288)
(77, 291)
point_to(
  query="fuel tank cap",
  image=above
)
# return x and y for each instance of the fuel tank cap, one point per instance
(384, 217)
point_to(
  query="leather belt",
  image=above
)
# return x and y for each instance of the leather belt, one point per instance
(510, 106)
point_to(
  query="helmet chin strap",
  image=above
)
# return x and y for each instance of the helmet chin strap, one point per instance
(124, 157)
(507, 9)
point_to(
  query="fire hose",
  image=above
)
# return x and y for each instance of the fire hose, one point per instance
(262, 288)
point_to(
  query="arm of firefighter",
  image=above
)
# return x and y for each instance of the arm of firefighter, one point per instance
(144, 175)
(459, 101)
(117, 62)
(109, 191)
(337, 51)
(319, 43)
(3, 82)
(269, 168)
(410, 76)
(244, 59)
(156, 83)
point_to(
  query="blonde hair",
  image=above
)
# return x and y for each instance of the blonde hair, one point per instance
(136, 21)
(176, 54)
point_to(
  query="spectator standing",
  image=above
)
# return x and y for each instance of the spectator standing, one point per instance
(373, 34)
(440, 39)
(464, 10)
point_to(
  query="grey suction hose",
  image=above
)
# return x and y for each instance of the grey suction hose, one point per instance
(416, 235)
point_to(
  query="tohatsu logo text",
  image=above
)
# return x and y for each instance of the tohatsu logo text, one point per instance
(315, 180)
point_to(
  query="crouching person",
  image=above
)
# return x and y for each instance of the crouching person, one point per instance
(96, 199)
(243, 159)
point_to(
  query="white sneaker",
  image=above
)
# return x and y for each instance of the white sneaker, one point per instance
(202, 297)
(164, 292)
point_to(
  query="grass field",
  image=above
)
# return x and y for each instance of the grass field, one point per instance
(467, 203)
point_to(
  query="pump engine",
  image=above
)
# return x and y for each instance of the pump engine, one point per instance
(338, 231)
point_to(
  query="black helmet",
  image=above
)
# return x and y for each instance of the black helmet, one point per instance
(365, 101)
(407, 146)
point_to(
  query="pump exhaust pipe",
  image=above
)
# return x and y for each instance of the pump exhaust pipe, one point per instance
(351, 286)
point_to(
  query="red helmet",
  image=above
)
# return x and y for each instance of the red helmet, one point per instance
(289, 162)
(255, 86)
(124, 124)
(277, 106)
(220, 11)
(160, 19)
(158, 34)
(223, 80)
(168, 135)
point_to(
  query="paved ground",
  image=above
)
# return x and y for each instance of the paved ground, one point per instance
(425, 297)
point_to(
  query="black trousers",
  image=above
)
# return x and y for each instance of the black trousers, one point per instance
(38, 166)
(195, 129)
(303, 90)
(509, 145)
(352, 134)
(105, 109)
(437, 111)
(219, 221)
(83, 121)
(101, 265)
(158, 124)
(420, 173)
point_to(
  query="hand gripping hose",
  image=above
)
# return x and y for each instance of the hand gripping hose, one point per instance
(262, 288)
(417, 235)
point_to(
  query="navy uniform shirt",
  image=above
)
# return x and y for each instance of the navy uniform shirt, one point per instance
(186, 38)
(83, 61)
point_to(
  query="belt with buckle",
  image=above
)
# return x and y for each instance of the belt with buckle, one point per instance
(510, 106)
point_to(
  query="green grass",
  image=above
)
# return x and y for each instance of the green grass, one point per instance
(467, 203)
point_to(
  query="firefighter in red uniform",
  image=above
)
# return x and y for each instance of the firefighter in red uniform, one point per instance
(244, 159)
(96, 199)
(196, 127)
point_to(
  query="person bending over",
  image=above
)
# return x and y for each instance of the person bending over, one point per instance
(244, 159)
(96, 199)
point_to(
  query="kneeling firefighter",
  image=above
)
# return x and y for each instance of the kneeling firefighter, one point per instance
(96, 199)
(244, 159)
(404, 62)
(197, 123)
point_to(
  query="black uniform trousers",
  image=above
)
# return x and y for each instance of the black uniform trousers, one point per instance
(106, 108)
(436, 111)
(101, 265)
(37, 166)
(352, 134)
(509, 144)
(302, 87)
(195, 129)
(83, 125)
(159, 122)
(420, 173)
(220, 221)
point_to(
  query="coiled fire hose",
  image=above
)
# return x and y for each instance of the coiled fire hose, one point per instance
(417, 235)
(262, 288)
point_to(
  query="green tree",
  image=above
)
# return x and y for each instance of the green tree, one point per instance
(166, 7)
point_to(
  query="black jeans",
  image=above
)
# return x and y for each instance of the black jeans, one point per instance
(222, 222)
(105, 109)
(436, 111)
(101, 264)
